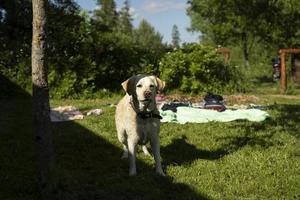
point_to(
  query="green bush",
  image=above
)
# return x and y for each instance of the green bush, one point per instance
(19, 75)
(198, 68)
(70, 85)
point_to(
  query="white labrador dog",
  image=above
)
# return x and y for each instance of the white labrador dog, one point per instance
(138, 120)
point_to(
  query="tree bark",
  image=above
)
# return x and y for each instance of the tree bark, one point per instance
(296, 67)
(40, 96)
(245, 49)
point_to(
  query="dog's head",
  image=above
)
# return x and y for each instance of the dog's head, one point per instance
(143, 90)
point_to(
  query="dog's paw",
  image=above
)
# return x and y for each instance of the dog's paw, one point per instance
(132, 173)
(124, 155)
(160, 172)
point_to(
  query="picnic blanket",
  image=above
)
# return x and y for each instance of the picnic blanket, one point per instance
(67, 113)
(196, 115)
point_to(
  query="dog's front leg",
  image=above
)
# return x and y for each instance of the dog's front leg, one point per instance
(132, 146)
(156, 153)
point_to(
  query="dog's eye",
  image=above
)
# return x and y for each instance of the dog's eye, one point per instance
(152, 86)
(139, 85)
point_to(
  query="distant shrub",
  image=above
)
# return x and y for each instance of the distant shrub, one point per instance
(70, 85)
(19, 75)
(198, 68)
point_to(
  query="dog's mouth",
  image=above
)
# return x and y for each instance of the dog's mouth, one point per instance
(145, 104)
(145, 100)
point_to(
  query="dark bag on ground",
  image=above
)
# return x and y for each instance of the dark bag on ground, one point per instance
(174, 105)
(214, 102)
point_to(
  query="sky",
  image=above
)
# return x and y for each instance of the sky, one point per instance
(162, 14)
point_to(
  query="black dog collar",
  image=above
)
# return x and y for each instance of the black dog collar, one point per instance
(144, 115)
(149, 115)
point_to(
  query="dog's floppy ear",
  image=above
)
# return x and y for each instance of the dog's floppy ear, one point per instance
(160, 84)
(128, 85)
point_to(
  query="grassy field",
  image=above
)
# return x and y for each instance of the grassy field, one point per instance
(236, 160)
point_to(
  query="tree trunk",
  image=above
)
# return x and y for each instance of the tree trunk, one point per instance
(40, 96)
(245, 51)
(296, 68)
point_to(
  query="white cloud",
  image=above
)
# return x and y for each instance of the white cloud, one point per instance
(133, 13)
(156, 6)
(180, 6)
(97, 7)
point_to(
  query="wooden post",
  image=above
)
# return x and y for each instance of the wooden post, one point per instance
(283, 52)
(283, 83)
(226, 58)
(226, 54)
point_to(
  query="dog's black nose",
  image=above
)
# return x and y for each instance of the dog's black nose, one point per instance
(148, 94)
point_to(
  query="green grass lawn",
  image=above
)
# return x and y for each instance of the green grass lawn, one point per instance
(236, 160)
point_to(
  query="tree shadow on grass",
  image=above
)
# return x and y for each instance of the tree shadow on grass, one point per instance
(188, 152)
(11, 90)
(289, 118)
(248, 138)
(87, 166)
(286, 120)
(17, 148)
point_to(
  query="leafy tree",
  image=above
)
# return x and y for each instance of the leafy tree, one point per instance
(226, 22)
(116, 57)
(15, 33)
(175, 36)
(81, 51)
(150, 42)
(125, 19)
(64, 41)
(147, 36)
(106, 16)
(286, 22)
(72, 67)
(246, 23)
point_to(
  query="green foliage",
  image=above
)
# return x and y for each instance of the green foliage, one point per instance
(91, 54)
(116, 57)
(125, 19)
(15, 42)
(245, 24)
(286, 22)
(198, 68)
(147, 37)
(72, 70)
(21, 75)
(149, 45)
(106, 17)
(71, 84)
(85, 55)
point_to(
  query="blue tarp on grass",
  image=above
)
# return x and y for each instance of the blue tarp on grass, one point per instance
(196, 115)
